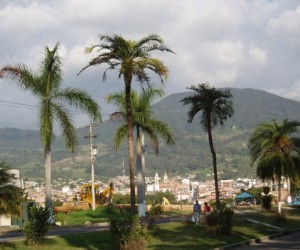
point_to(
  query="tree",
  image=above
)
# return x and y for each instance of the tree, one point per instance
(46, 85)
(131, 59)
(143, 122)
(11, 196)
(275, 151)
(215, 107)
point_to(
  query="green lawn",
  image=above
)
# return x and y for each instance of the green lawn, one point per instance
(175, 235)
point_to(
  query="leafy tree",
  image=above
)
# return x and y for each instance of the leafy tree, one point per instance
(11, 196)
(46, 85)
(143, 122)
(215, 108)
(37, 226)
(131, 59)
(275, 151)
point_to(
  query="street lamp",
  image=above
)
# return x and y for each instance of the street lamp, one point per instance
(94, 152)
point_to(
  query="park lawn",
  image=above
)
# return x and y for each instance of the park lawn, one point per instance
(175, 235)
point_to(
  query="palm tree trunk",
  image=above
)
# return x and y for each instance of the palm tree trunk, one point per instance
(143, 170)
(130, 143)
(140, 182)
(48, 178)
(214, 156)
(279, 195)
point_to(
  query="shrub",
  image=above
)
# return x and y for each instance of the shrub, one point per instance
(280, 217)
(266, 201)
(220, 221)
(61, 217)
(38, 225)
(127, 233)
(155, 210)
(225, 220)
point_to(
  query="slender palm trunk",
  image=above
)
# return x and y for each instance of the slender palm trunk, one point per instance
(48, 178)
(143, 170)
(279, 195)
(130, 143)
(140, 182)
(214, 156)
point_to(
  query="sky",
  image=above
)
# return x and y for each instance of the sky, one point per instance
(232, 43)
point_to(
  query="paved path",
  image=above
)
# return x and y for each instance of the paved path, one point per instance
(291, 241)
(56, 231)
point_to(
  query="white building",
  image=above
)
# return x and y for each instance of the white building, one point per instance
(10, 220)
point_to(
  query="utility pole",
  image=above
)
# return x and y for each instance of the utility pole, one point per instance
(93, 153)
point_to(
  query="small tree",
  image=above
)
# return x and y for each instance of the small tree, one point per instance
(128, 233)
(38, 225)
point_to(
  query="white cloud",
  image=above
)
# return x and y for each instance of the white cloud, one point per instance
(227, 43)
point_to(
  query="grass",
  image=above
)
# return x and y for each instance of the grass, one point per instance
(100, 214)
(175, 235)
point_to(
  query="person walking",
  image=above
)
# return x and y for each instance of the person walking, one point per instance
(207, 211)
(196, 210)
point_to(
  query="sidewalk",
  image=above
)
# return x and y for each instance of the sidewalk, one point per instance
(18, 234)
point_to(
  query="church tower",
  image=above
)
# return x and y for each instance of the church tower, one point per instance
(156, 182)
(165, 177)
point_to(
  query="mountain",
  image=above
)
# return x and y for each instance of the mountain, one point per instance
(190, 154)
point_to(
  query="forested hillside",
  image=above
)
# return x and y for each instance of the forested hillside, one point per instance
(190, 155)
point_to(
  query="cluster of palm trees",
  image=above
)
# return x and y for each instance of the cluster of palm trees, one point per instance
(132, 59)
(275, 153)
(143, 123)
(275, 150)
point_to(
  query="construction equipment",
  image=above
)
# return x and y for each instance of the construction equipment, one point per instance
(83, 199)
(165, 201)
(100, 197)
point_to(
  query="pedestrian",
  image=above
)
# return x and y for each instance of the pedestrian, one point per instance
(207, 209)
(207, 212)
(196, 210)
(78, 198)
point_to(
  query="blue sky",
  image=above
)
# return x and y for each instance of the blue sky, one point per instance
(232, 43)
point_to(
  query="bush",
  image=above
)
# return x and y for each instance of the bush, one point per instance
(38, 225)
(156, 210)
(127, 233)
(61, 217)
(266, 201)
(225, 220)
(220, 221)
(280, 217)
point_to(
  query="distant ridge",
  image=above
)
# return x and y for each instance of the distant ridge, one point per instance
(190, 154)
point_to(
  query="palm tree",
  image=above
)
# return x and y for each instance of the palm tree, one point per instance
(143, 122)
(215, 108)
(11, 196)
(46, 85)
(275, 151)
(131, 59)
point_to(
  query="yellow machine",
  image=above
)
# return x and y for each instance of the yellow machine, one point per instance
(165, 201)
(100, 197)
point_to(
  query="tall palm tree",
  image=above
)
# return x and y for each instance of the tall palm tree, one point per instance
(215, 107)
(131, 59)
(143, 122)
(46, 85)
(275, 151)
(11, 196)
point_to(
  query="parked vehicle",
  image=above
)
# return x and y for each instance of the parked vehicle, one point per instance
(296, 201)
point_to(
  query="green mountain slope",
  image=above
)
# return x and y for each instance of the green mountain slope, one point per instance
(190, 155)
